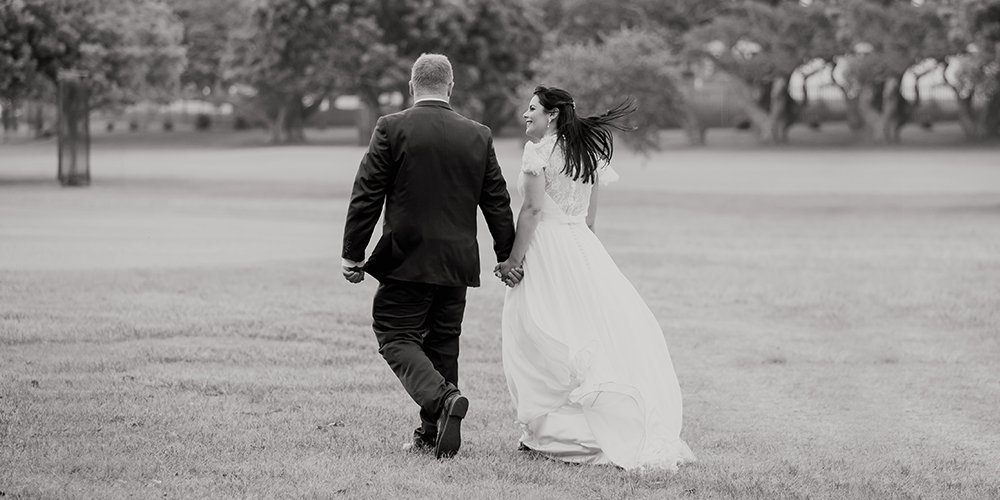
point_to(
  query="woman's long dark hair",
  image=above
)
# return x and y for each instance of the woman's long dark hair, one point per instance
(586, 141)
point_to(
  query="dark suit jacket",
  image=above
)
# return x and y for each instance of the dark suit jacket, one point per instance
(432, 168)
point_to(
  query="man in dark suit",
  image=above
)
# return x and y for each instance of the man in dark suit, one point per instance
(432, 168)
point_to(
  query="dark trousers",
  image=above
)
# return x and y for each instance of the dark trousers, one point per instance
(417, 326)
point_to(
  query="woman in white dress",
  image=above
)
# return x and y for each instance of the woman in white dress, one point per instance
(585, 360)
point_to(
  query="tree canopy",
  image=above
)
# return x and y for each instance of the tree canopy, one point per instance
(627, 64)
(287, 57)
(295, 54)
(883, 42)
(492, 64)
(283, 53)
(974, 73)
(128, 50)
(208, 27)
(760, 45)
(33, 47)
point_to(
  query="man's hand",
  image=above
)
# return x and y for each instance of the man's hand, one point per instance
(352, 271)
(511, 273)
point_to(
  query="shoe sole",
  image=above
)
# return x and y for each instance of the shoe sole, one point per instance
(450, 433)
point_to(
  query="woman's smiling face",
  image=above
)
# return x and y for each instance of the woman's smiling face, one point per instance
(536, 119)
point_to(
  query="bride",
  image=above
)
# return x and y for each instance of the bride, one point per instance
(585, 360)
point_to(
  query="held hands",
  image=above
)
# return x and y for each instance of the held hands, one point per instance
(510, 272)
(354, 274)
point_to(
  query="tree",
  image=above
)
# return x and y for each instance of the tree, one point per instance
(128, 50)
(581, 21)
(628, 63)
(974, 74)
(33, 47)
(760, 45)
(208, 27)
(131, 50)
(493, 59)
(490, 44)
(887, 39)
(295, 53)
(289, 53)
(377, 61)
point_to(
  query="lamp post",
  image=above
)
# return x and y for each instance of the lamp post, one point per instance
(74, 128)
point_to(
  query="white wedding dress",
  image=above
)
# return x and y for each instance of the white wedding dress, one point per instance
(585, 360)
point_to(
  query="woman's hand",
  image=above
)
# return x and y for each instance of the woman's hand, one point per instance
(510, 271)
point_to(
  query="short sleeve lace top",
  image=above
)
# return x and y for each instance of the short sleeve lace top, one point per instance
(545, 158)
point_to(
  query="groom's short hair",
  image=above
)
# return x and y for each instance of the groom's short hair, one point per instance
(431, 72)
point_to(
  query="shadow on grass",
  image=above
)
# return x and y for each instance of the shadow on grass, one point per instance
(201, 187)
(28, 182)
(247, 139)
(194, 187)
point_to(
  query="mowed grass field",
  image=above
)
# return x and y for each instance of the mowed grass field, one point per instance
(180, 328)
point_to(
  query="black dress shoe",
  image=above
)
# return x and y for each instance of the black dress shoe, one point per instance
(449, 438)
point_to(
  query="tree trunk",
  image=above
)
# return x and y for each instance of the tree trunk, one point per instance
(765, 125)
(989, 122)
(895, 110)
(294, 124)
(276, 125)
(760, 121)
(287, 122)
(9, 117)
(852, 108)
(872, 109)
(368, 115)
(36, 115)
(967, 114)
(978, 124)
(754, 100)
(784, 110)
(692, 125)
(771, 110)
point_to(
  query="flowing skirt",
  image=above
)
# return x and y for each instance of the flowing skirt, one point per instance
(585, 360)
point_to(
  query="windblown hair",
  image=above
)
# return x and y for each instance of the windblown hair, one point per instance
(587, 142)
(431, 72)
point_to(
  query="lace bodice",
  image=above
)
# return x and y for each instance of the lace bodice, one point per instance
(544, 158)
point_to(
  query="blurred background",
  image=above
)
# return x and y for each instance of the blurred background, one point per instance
(810, 206)
(848, 71)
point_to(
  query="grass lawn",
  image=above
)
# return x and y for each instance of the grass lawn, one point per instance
(180, 329)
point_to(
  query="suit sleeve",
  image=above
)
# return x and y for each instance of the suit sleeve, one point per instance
(368, 195)
(494, 201)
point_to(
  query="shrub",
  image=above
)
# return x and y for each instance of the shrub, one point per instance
(202, 122)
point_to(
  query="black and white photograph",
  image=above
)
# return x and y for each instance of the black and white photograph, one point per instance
(490, 249)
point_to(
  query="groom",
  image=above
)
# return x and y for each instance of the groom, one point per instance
(431, 167)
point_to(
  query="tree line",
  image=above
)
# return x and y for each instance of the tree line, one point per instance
(278, 60)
